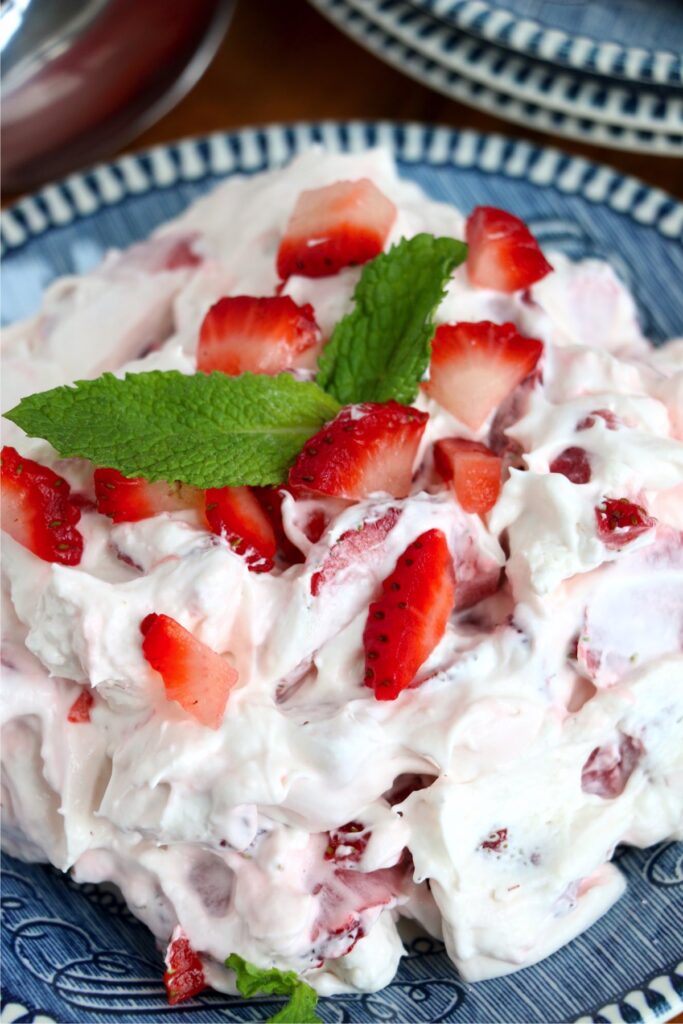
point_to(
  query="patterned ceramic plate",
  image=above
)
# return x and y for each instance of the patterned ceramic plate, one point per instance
(458, 85)
(640, 40)
(580, 95)
(74, 954)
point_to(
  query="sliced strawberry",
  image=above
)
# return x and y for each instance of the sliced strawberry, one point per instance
(365, 449)
(611, 419)
(242, 333)
(496, 841)
(352, 547)
(129, 499)
(270, 499)
(194, 675)
(341, 225)
(37, 509)
(79, 711)
(574, 463)
(608, 769)
(473, 469)
(475, 366)
(620, 521)
(406, 623)
(184, 975)
(347, 843)
(235, 514)
(502, 254)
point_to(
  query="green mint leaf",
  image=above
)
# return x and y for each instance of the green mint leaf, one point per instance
(208, 430)
(302, 999)
(382, 348)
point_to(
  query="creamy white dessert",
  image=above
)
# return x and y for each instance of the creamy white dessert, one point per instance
(543, 729)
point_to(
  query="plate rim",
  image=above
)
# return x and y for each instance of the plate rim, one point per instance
(393, 51)
(82, 193)
(556, 88)
(491, 21)
(192, 158)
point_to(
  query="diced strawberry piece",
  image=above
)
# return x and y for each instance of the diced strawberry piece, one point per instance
(475, 366)
(347, 843)
(365, 449)
(620, 521)
(243, 334)
(129, 499)
(315, 525)
(341, 225)
(270, 499)
(608, 769)
(235, 514)
(406, 623)
(502, 254)
(574, 463)
(79, 711)
(194, 675)
(474, 471)
(352, 547)
(184, 975)
(496, 841)
(611, 419)
(37, 510)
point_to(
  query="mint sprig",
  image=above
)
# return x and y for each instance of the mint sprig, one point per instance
(381, 350)
(209, 430)
(252, 980)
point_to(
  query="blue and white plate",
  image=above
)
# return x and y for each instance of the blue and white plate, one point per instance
(582, 96)
(638, 40)
(75, 954)
(458, 85)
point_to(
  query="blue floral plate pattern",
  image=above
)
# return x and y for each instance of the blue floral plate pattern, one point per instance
(637, 40)
(466, 72)
(74, 953)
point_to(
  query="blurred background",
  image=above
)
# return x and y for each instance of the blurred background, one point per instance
(83, 80)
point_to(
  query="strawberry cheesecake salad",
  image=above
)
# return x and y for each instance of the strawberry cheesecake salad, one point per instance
(345, 585)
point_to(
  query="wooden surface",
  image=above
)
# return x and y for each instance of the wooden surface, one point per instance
(282, 61)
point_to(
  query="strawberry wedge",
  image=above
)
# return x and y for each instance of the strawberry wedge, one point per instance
(194, 676)
(184, 974)
(620, 521)
(235, 514)
(37, 510)
(367, 448)
(502, 254)
(406, 623)
(129, 499)
(473, 470)
(244, 334)
(475, 366)
(341, 225)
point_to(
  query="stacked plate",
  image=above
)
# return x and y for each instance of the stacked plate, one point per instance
(607, 72)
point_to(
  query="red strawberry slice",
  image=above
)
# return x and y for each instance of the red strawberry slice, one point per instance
(620, 521)
(235, 514)
(270, 499)
(404, 626)
(574, 463)
(353, 547)
(341, 225)
(503, 254)
(184, 975)
(79, 711)
(475, 366)
(608, 769)
(194, 675)
(129, 499)
(473, 469)
(365, 449)
(242, 333)
(37, 510)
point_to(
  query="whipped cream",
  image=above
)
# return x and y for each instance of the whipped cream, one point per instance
(489, 795)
